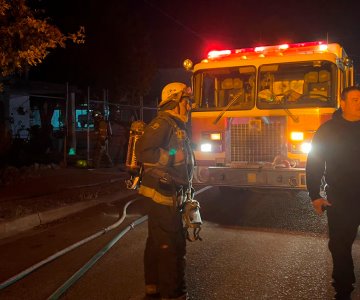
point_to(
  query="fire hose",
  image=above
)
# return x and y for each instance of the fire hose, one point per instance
(31, 269)
(77, 275)
(92, 261)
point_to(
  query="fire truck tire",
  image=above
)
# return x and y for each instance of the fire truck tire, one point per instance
(201, 175)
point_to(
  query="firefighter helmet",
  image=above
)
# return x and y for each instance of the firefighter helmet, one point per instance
(174, 92)
(97, 115)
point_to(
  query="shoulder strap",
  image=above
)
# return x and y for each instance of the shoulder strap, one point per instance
(169, 120)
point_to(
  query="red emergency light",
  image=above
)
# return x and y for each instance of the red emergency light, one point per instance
(269, 50)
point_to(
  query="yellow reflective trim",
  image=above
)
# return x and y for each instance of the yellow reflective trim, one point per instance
(251, 177)
(156, 196)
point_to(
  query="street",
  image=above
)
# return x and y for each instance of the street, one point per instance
(256, 245)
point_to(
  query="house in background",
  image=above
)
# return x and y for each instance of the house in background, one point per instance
(35, 104)
(47, 118)
(31, 119)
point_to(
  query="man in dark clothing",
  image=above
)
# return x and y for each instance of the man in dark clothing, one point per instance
(334, 158)
(167, 157)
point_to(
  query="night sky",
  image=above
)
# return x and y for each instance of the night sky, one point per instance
(176, 30)
(202, 25)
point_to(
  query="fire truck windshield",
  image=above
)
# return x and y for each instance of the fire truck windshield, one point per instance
(271, 86)
(216, 88)
(297, 85)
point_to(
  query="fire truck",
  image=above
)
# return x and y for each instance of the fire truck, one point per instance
(257, 109)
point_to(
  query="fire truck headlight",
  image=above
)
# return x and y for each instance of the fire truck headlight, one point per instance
(215, 136)
(306, 147)
(297, 136)
(205, 147)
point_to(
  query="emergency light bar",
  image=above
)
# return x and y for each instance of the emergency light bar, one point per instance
(272, 50)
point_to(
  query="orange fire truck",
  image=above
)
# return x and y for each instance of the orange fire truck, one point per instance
(256, 111)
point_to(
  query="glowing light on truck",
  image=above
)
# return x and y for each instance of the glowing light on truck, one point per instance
(282, 49)
(297, 136)
(206, 147)
(306, 147)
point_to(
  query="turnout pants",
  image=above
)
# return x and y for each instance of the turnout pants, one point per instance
(343, 222)
(164, 258)
(101, 152)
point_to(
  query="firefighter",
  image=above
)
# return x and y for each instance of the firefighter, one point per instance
(335, 158)
(102, 141)
(165, 152)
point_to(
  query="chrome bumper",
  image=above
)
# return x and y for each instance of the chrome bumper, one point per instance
(287, 178)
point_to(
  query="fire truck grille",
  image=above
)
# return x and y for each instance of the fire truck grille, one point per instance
(259, 143)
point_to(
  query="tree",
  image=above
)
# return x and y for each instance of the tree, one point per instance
(26, 38)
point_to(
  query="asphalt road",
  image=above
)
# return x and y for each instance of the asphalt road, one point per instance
(255, 246)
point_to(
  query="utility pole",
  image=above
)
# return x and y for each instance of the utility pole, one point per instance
(73, 121)
(88, 127)
(66, 131)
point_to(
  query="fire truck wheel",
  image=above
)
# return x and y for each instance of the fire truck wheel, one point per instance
(201, 175)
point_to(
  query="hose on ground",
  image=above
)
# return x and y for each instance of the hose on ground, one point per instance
(31, 269)
(77, 275)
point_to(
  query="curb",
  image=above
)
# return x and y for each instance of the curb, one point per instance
(10, 228)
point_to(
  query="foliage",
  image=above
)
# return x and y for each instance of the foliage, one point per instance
(26, 38)
(117, 54)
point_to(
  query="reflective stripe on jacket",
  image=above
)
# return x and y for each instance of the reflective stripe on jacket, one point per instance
(165, 151)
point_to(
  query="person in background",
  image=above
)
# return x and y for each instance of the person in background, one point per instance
(335, 161)
(102, 141)
(165, 152)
